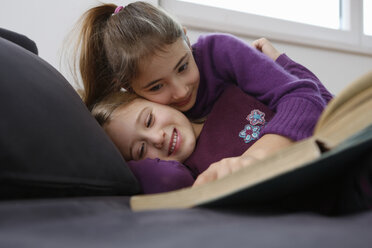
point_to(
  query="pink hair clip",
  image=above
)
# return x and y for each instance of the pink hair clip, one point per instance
(117, 10)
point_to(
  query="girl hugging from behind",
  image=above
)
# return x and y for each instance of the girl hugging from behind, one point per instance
(142, 49)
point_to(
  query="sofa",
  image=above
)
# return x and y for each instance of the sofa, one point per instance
(64, 184)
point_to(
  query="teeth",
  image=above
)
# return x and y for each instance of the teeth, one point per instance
(174, 143)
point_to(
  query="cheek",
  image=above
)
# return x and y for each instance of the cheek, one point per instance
(189, 140)
(121, 145)
(187, 149)
(194, 74)
(120, 136)
(153, 153)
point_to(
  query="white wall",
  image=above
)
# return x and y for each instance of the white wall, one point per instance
(48, 22)
(45, 22)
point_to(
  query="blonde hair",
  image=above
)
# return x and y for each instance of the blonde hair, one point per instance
(104, 109)
(111, 46)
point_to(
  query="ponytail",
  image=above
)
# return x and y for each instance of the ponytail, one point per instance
(96, 73)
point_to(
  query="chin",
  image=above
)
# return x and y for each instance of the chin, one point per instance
(188, 106)
(180, 158)
(183, 108)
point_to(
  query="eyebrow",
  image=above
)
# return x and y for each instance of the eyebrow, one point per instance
(138, 119)
(175, 67)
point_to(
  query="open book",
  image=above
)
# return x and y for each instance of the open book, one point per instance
(343, 132)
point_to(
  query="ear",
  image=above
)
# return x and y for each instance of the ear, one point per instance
(129, 89)
(186, 37)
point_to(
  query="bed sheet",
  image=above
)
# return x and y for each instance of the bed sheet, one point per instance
(109, 222)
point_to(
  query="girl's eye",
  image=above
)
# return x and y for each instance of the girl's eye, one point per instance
(149, 120)
(156, 87)
(141, 151)
(183, 67)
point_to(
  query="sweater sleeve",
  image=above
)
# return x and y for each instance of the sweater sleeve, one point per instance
(296, 101)
(157, 176)
(302, 72)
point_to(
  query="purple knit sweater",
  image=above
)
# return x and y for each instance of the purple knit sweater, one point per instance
(234, 124)
(286, 87)
(223, 59)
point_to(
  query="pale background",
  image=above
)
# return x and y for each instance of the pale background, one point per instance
(48, 22)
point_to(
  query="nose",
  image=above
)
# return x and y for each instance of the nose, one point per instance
(157, 138)
(179, 90)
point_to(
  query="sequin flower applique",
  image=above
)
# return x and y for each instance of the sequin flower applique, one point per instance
(250, 133)
(256, 117)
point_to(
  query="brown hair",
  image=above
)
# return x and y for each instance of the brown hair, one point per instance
(111, 46)
(104, 109)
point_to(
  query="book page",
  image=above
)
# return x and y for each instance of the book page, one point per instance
(344, 126)
(356, 87)
(348, 108)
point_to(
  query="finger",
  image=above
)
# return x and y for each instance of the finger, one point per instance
(223, 170)
(205, 177)
(263, 40)
(236, 166)
(242, 163)
(215, 171)
(256, 44)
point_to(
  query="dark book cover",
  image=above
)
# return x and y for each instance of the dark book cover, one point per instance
(338, 182)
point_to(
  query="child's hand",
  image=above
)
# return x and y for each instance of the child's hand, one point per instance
(265, 46)
(222, 168)
(261, 149)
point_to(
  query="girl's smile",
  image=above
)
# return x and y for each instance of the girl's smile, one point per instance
(143, 129)
(175, 142)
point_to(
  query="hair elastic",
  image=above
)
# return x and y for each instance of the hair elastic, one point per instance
(117, 10)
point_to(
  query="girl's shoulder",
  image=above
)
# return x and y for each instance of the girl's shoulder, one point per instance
(219, 44)
(215, 39)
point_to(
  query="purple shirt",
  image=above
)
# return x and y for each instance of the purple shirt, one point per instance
(223, 60)
(234, 124)
(290, 90)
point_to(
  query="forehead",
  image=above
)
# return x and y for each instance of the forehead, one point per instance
(168, 54)
(130, 112)
(134, 107)
(123, 118)
(123, 125)
(129, 109)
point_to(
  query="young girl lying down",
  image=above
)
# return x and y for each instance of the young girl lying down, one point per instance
(142, 129)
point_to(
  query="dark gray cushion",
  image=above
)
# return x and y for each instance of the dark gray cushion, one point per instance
(19, 39)
(50, 145)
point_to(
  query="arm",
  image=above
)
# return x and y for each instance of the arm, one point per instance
(305, 89)
(297, 103)
(265, 146)
(265, 46)
(295, 69)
